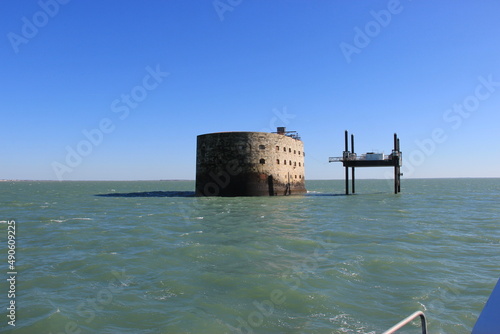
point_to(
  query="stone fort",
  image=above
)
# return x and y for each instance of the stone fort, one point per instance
(250, 164)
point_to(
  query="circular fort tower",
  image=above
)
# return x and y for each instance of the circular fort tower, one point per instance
(250, 164)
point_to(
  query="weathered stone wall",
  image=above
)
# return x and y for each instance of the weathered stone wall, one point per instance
(249, 164)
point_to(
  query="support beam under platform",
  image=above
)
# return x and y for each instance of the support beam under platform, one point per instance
(352, 168)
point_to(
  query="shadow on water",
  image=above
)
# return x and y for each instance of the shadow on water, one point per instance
(323, 194)
(151, 194)
(343, 194)
(190, 194)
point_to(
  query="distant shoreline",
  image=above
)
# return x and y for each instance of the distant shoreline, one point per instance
(187, 180)
(15, 180)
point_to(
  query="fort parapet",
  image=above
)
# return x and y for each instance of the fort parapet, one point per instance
(250, 164)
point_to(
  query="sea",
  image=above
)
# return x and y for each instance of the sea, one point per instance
(150, 257)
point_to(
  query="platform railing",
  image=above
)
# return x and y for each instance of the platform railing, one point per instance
(407, 320)
(358, 158)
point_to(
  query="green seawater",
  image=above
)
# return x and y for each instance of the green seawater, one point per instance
(149, 257)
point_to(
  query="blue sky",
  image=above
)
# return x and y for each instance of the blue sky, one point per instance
(119, 90)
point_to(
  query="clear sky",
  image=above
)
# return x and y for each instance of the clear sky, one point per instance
(119, 90)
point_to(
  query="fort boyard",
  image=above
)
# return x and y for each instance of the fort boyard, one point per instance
(250, 164)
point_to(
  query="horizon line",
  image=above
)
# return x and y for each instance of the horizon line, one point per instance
(192, 180)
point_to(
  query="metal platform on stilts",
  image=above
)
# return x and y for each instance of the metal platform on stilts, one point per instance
(351, 159)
